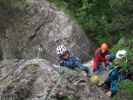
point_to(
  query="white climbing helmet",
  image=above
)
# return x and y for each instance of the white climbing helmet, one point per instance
(61, 49)
(121, 54)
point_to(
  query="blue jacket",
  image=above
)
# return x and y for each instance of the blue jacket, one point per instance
(71, 62)
(114, 75)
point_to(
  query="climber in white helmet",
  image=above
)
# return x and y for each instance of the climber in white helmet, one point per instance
(115, 74)
(61, 49)
(121, 54)
(70, 61)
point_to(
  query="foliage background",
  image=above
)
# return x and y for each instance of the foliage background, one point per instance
(103, 20)
(108, 21)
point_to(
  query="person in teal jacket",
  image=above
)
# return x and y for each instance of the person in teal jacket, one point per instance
(111, 84)
(115, 73)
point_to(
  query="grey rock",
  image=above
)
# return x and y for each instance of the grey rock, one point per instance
(35, 35)
(43, 26)
(38, 79)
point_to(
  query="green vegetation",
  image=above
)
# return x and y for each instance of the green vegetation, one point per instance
(126, 92)
(106, 21)
(125, 43)
(126, 86)
(103, 20)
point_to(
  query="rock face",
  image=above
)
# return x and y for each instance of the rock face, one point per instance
(45, 27)
(36, 33)
(37, 79)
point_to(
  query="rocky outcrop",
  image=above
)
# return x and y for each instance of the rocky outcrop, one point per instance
(35, 34)
(42, 26)
(38, 79)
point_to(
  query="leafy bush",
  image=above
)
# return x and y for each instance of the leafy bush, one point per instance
(126, 91)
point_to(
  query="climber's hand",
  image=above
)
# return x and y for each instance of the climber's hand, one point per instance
(85, 75)
(109, 93)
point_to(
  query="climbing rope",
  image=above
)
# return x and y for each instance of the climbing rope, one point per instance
(52, 90)
(48, 96)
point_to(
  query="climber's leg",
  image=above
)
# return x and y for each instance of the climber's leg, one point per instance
(87, 69)
(114, 88)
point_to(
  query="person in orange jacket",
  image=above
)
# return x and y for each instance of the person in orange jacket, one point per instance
(100, 56)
